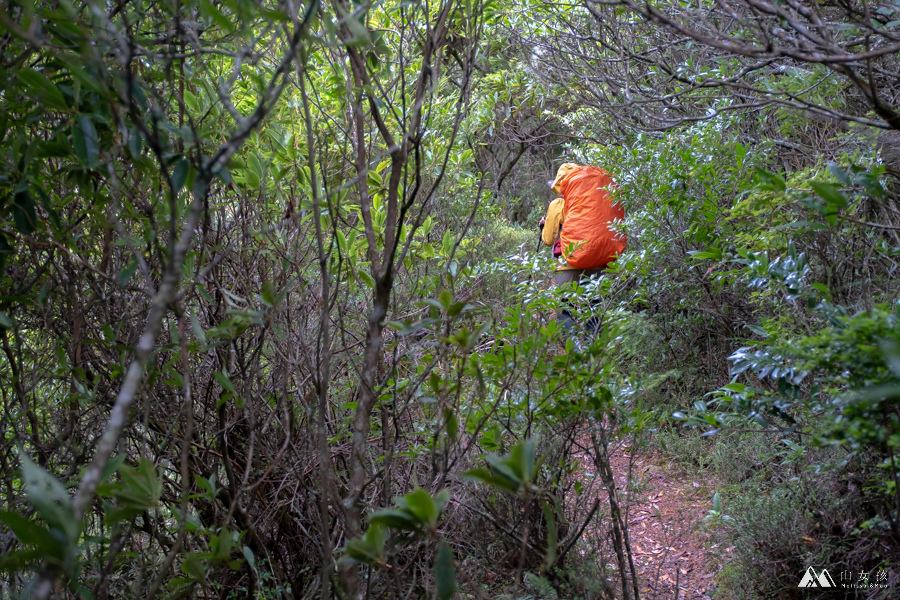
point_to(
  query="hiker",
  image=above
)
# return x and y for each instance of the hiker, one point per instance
(577, 226)
(551, 226)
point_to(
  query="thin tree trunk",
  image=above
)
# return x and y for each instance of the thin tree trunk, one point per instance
(323, 356)
(601, 460)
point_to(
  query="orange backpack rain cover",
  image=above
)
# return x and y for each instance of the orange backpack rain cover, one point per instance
(589, 210)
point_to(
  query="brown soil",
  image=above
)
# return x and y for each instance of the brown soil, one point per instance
(663, 513)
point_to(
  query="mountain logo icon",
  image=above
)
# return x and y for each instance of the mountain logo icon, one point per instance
(811, 580)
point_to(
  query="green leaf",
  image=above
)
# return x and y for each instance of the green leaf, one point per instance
(758, 330)
(373, 178)
(197, 328)
(230, 328)
(256, 167)
(759, 419)
(772, 181)
(696, 255)
(221, 545)
(267, 293)
(441, 499)
(521, 459)
(126, 273)
(341, 240)
(367, 279)
(359, 35)
(248, 555)
(839, 174)
(224, 381)
(5, 321)
(434, 303)
(180, 174)
(21, 560)
(550, 518)
(502, 467)
(112, 465)
(24, 215)
(446, 299)
(210, 11)
(190, 99)
(368, 549)
(47, 203)
(447, 244)
(140, 488)
(830, 193)
(56, 147)
(135, 142)
(207, 485)
(486, 476)
(86, 142)
(422, 506)
(31, 533)
(42, 89)
(457, 307)
(445, 572)
(391, 517)
(50, 499)
(821, 287)
(451, 423)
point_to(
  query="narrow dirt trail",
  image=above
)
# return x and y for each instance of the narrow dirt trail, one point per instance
(663, 511)
(663, 508)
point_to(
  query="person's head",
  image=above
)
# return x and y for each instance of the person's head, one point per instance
(564, 169)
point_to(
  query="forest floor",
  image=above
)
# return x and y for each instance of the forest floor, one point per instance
(665, 509)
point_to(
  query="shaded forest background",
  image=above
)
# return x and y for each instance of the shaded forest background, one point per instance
(274, 323)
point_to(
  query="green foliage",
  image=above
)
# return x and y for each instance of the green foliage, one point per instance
(138, 491)
(417, 512)
(56, 539)
(785, 529)
(445, 572)
(416, 515)
(368, 549)
(265, 266)
(514, 472)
